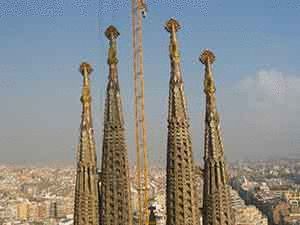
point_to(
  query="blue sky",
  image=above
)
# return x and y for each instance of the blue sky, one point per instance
(257, 73)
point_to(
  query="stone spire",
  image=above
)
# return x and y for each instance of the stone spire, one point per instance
(181, 198)
(115, 207)
(86, 190)
(216, 197)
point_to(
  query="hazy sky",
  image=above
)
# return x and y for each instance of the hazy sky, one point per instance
(257, 71)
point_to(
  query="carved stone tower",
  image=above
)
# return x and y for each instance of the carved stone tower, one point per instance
(115, 207)
(86, 190)
(181, 199)
(216, 198)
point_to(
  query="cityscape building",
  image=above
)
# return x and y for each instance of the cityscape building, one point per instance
(245, 214)
(51, 180)
(293, 198)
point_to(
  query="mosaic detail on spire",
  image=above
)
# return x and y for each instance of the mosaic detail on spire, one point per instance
(115, 201)
(86, 209)
(181, 199)
(216, 197)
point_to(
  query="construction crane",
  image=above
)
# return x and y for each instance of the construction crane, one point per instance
(139, 10)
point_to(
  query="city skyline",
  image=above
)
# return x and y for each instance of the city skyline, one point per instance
(257, 76)
(30, 195)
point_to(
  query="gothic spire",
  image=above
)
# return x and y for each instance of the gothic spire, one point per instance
(182, 201)
(216, 197)
(86, 190)
(115, 207)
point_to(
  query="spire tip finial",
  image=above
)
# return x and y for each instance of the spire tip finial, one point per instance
(172, 24)
(207, 56)
(85, 67)
(112, 32)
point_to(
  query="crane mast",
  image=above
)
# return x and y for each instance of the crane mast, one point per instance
(138, 12)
